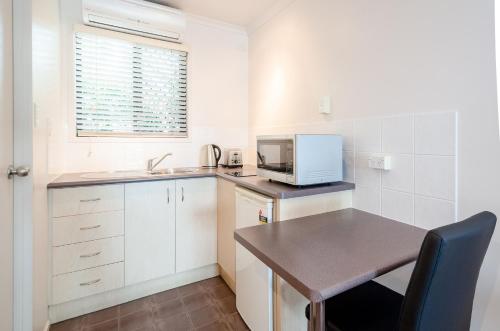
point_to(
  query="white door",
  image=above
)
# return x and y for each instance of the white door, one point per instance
(6, 159)
(149, 231)
(196, 223)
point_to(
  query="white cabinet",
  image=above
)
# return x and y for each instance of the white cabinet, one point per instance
(196, 223)
(226, 215)
(149, 230)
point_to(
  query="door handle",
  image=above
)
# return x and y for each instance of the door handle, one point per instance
(183, 194)
(168, 195)
(19, 171)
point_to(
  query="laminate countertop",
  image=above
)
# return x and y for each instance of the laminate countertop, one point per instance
(258, 184)
(326, 254)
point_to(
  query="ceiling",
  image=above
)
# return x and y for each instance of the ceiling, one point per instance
(239, 12)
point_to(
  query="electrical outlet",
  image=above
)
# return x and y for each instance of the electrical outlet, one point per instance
(382, 162)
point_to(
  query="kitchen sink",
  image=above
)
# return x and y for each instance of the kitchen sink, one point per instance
(173, 171)
(137, 173)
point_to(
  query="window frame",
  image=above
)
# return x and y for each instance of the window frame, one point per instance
(119, 137)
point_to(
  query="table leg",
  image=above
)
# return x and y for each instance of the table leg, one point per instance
(317, 317)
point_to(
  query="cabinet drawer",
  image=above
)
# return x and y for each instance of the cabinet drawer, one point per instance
(79, 228)
(86, 255)
(87, 282)
(86, 200)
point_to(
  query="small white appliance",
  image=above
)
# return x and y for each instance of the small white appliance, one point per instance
(300, 159)
(137, 17)
(234, 158)
(254, 280)
(210, 156)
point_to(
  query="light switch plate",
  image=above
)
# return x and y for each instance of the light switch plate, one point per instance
(378, 161)
(325, 105)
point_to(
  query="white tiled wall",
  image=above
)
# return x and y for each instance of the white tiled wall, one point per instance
(420, 187)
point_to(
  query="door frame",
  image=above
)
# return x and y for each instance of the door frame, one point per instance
(23, 155)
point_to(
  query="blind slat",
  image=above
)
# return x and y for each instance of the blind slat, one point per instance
(125, 88)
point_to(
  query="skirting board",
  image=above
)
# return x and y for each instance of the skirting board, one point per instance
(229, 281)
(67, 310)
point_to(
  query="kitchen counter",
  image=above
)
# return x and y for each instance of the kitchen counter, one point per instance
(323, 255)
(258, 184)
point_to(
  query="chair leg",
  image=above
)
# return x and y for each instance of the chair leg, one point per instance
(317, 317)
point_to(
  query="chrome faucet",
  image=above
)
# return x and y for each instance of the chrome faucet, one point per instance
(152, 165)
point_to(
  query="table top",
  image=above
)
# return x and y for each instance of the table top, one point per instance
(326, 254)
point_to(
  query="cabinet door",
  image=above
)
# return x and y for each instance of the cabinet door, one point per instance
(196, 223)
(226, 215)
(149, 230)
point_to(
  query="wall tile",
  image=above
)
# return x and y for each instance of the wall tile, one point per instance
(432, 213)
(365, 176)
(348, 166)
(397, 134)
(346, 130)
(435, 176)
(368, 135)
(400, 176)
(435, 133)
(367, 199)
(397, 206)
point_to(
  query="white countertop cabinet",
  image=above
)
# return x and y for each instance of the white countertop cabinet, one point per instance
(196, 223)
(149, 231)
(115, 243)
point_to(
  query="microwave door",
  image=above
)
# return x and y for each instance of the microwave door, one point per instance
(275, 155)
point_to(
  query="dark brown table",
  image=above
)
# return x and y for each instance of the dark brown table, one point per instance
(326, 254)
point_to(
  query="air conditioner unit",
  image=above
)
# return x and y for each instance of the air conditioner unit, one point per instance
(136, 17)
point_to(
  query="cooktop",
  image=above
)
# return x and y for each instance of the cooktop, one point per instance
(241, 173)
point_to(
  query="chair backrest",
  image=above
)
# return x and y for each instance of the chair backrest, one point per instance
(441, 289)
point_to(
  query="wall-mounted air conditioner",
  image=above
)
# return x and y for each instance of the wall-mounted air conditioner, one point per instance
(136, 17)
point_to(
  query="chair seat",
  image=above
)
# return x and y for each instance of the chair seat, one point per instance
(368, 307)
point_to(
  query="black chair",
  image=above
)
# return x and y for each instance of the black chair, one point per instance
(440, 294)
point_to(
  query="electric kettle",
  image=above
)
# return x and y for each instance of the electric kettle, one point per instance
(214, 154)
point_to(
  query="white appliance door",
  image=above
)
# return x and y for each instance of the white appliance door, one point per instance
(253, 279)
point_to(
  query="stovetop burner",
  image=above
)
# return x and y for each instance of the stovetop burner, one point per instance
(241, 173)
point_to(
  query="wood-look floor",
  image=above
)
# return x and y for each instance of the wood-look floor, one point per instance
(206, 305)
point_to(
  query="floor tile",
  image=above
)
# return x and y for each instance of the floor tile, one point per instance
(221, 291)
(207, 305)
(227, 305)
(216, 326)
(136, 305)
(236, 323)
(165, 296)
(168, 308)
(101, 316)
(189, 289)
(111, 325)
(195, 301)
(140, 320)
(74, 324)
(175, 323)
(204, 316)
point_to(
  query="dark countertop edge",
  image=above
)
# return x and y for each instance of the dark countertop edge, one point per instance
(125, 180)
(315, 295)
(240, 181)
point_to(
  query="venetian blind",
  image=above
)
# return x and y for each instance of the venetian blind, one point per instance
(129, 89)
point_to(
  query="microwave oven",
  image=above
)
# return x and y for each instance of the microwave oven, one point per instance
(300, 159)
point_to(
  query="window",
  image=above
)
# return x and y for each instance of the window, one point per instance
(127, 88)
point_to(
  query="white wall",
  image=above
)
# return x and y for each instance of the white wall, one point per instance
(385, 58)
(46, 96)
(217, 104)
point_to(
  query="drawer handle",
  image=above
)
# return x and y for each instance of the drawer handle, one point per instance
(90, 227)
(91, 200)
(92, 282)
(90, 255)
